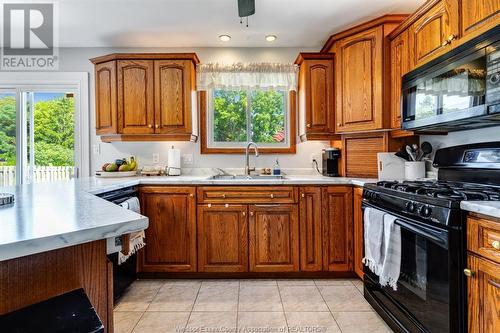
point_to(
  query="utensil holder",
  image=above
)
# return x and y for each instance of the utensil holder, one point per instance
(414, 170)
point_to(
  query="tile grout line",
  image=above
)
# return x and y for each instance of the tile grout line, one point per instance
(144, 312)
(192, 307)
(238, 305)
(283, 307)
(330, 310)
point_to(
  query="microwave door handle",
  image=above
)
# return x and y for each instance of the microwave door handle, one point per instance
(423, 232)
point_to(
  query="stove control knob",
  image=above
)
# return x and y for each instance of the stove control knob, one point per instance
(410, 207)
(425, 211)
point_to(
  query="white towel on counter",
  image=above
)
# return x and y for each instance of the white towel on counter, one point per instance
(373, 236)
(382, 238)
(391, 266)
(136, 238)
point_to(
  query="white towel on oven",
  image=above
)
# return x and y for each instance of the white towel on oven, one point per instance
(373, 238)
(136, 238)
(391, 265)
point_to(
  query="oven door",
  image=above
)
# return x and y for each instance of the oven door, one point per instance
(423, 288)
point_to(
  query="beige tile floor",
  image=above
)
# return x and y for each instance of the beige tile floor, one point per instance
(246, 306)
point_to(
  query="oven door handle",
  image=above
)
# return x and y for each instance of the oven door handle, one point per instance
(434, 235)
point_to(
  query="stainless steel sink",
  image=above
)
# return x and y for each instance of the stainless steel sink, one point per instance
(243, 177)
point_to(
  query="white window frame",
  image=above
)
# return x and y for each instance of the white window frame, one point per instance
(75, 82)
(210, 121)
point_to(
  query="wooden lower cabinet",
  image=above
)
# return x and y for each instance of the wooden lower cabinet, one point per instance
(337, 229)
(484, 295)
(311, 237)
(274, 238)
(358, 231)
(171, 235)
(222, 238)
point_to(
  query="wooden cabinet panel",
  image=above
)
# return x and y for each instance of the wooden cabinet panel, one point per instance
(105, 98)
(359, 78)
(433, 33)
(135, 97)
(316, 95)
(399, 67)
(484, 296)
(358, 231)
(170, 237)
(222, 238)
(274, 238)
(337, 229)
(483, 237)
(247, 194)
(173, 96)
(477, 16)
(311, 238)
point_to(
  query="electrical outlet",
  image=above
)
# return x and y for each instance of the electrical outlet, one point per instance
(315, 157)
(156, 158)
(187, 159)
(96, 149)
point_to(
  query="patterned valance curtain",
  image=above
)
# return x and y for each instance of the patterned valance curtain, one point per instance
(265, 76)
(461, 82)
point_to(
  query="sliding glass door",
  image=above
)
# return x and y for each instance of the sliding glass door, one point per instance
(37, 135)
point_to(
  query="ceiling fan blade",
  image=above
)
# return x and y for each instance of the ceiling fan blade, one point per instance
(246, 8)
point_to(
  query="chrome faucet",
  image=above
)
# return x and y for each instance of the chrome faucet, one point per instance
(247, 159)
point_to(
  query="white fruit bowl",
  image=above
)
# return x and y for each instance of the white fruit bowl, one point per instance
(115, 174)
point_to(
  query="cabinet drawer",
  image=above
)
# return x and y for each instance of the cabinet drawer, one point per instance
(247, 194)
(483, 237)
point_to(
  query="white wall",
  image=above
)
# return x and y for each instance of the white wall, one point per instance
(77, 59)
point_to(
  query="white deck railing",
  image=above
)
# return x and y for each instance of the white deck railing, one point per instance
(40, 174)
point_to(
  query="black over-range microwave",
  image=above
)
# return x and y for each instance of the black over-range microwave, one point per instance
(459, 90)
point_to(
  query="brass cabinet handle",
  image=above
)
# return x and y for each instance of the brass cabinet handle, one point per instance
(150, 126)
(224, 196)
(191, 195)
(272, 196)
(244, 214)
(449, 40)
(468, 272)
(251, 213)
(308, 125)
(339, 124)
(303, 195)
(495, 245)
(157, 126)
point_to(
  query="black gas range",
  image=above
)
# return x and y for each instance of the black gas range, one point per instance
(431, 290)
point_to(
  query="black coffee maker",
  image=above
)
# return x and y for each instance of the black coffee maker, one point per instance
(331, 162)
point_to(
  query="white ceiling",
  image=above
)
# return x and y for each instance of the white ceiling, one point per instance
(198, 23)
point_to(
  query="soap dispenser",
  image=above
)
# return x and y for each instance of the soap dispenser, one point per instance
(277, 169)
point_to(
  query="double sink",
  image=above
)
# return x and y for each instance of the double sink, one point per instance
(244, 177)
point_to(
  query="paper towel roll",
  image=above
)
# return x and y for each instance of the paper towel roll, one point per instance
(174, 162)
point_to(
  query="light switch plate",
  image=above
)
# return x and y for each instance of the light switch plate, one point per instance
(156, 158)
(187, 159)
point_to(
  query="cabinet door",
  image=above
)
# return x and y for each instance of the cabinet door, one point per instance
(337, 229)
(274, 238)
(433, 34)
(222, 238)
(477, 16)
(399, 67)
(173, 96)
(358, 231)
(105, 98)
(484, 296)
(170, 237)
(319, 97)
(135, 97)
(359, 80)
(311, 240)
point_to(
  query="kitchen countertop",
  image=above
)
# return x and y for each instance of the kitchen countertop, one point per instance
(49, 216)
(488, 208)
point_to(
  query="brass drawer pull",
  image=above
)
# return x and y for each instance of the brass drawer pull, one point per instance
(191, 195)
(272, 196)
(469, 273)
(495, 245)
(303, 195)
(493, 283)
(244, 214)
(308, 125)
(224, 196)
(251, 213)
(449, 40)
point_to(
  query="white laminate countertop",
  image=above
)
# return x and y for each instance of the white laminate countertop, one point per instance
(49, 216)
(488, 208)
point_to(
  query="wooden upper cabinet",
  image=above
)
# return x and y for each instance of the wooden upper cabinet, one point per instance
(274, 238)
(434, 33)
(171, 235)
(311, 238)
(135, 97)
(174, 89)
(316, 95)
(222, 238)
(105, 98)
(358, 231)
(337, 229)
(399, 66)
(146, 97)
(477, 16)
(359, 81)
